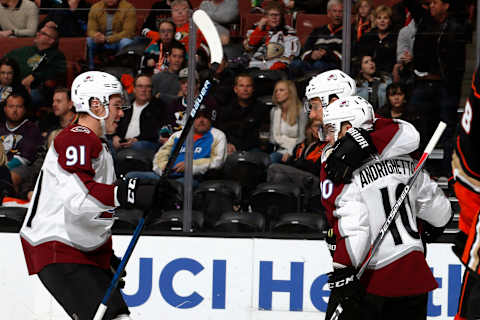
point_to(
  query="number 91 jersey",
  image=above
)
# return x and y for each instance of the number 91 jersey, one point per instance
(70, 214)
(357, 211)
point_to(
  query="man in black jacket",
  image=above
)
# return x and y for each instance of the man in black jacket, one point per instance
(138, 129)
(243, 118)
(438, 64)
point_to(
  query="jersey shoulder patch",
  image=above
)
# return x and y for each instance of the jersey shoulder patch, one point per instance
(81, 129)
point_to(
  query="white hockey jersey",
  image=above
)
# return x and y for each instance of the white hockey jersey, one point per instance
(357, 211)
(69, 219)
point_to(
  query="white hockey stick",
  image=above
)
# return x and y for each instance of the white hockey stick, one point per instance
(203, 22)
(393, 213)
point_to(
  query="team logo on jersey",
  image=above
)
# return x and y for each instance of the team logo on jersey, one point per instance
(80, 129)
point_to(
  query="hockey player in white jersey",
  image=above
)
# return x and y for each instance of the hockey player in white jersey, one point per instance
(398, 279)
(66, 235)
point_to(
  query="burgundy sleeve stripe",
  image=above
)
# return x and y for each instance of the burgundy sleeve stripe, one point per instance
(100, 191)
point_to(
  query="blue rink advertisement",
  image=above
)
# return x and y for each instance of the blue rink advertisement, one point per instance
(216, 278)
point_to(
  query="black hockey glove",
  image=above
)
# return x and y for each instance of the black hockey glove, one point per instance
(136, 193)
(349, 153)
(114, 263)
(346, 290)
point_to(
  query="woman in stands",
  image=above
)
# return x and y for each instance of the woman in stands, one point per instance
(363, 18)
(287, 121)
(381, 41)
(371, 84)
(9, 77)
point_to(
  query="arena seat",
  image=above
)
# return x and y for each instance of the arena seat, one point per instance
(74, 49)
(307, 22)
(11, 218)
(126, 220)
(173, 221)
(300, 222)
(214, 197)
(240, 222)
(134, 160)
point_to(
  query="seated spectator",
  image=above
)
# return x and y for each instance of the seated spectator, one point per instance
(174, 117)
(9, 77)
(180, 13)
(210, 148)
(138, 129)
(305, 162)
(244, 117)
(160, 46)
(272, 43)
(381, 41)
(42, 66)
(70, 16)
(372, 85)
(111, 25)
(159, 12)
(363, 18)
(18, 18)
(396, 106)
(222, 13)
(63, 116)
(20, 137)
(166, 85)
(287, 121)
(323, 49)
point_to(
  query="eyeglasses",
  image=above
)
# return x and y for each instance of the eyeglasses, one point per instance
(43, 33)
(166, 30)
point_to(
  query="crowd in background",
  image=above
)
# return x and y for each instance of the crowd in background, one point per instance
(408, 60)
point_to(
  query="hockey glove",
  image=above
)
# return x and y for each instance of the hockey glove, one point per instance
(346, 290)
(136, 193)
(114, 263)
(349, 153)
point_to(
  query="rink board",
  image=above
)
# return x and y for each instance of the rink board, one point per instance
(215, 279)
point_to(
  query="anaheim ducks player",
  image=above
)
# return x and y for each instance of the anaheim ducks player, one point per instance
(466, 171)
(398, 279)
(66, 235)
(273, 44)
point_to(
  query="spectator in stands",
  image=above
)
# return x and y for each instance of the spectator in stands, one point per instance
(174, 117)
(166, 85)
(363, 18)
(396, 106)
(381, 42)
(323, 49)
(9, 77)
(20, 137)
(438, 65)
(371, 84)
(70, 16)
(287, 121)
(244, 117)
(272, 43)
(138, 129)
(5, 175)
(111, 25)
(18, 18)
(303, 163)
(42, 66)
(180, 13)
(222, 13)
(158, 50)
(210, 148)
(63, 108)
(159, 12)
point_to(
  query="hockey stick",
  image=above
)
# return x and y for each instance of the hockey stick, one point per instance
(206, 26)
(394, 212)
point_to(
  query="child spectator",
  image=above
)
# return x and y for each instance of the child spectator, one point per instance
(371, 85)
(396, 106)
(362, 22)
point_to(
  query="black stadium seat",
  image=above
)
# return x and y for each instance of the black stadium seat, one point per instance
(240, 222)
(300, 222)
(173, 221)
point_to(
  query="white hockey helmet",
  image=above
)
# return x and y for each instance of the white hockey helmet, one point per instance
(354, 109)
(333, 82)
(94, 85)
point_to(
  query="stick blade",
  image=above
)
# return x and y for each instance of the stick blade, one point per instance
(206, 26)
